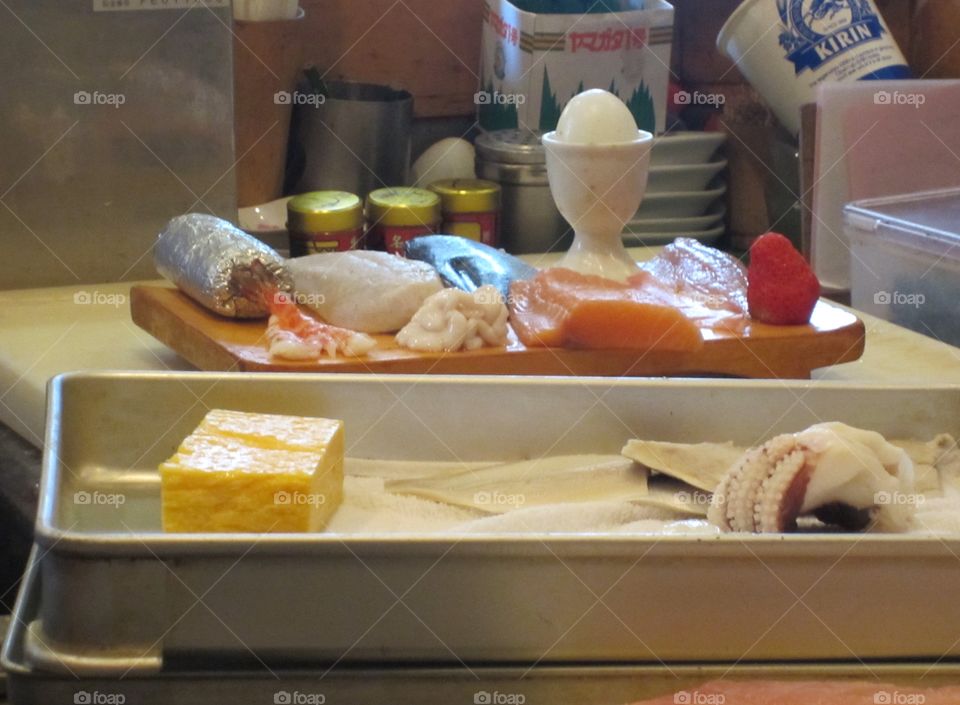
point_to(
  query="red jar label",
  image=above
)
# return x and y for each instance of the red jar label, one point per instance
(393, 238)
(311, 243)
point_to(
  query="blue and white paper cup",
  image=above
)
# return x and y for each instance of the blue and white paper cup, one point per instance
(786, 47)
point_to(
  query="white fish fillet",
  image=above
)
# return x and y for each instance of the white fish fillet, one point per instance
(553, 480)
(407, 469)
(702, 465)
(936, 463)
(367, 291)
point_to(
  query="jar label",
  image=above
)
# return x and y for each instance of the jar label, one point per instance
(481, 227)
(310, 244)
(394, 238)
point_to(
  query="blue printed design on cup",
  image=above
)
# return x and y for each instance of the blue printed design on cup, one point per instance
(816, 32)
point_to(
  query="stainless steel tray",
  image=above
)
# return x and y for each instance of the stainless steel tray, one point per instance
(601, 684)
(117, 593)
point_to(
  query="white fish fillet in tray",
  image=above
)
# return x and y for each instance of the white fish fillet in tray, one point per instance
(119, 594)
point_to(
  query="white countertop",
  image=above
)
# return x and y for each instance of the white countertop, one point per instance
(44, 332)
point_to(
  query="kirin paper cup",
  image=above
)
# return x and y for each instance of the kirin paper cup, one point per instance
(786, 47)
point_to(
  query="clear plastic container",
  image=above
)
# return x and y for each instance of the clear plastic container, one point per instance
(905, 267)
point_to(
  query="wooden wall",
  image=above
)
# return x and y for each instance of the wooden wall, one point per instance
(429, 47)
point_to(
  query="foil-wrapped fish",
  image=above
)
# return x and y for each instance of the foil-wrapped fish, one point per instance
(219, 266)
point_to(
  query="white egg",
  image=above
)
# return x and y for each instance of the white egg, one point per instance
(596, 117)
(450, 158)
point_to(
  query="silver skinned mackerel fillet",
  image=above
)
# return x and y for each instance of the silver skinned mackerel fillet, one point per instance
(218, 265)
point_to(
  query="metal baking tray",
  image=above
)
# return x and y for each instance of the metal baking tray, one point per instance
(118, 594)
(384, 684)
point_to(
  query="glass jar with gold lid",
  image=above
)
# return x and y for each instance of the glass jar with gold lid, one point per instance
(471, 208)
(400, 213)
(324, 221)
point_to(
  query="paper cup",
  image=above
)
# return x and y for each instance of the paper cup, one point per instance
(786, 47)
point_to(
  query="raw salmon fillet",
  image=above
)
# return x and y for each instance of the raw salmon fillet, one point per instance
(808, 693)
(687, 288)
(703, 273)
(563, 308)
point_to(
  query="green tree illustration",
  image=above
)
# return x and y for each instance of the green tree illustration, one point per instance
(496, 116)
(549, 106)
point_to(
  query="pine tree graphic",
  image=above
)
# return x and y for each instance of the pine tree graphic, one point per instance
(550, 108)
(640, 105)
(497, 116)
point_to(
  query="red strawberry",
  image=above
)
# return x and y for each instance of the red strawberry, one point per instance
(781, 287)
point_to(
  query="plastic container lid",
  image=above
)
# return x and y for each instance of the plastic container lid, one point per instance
(515, 146)
(927, 221)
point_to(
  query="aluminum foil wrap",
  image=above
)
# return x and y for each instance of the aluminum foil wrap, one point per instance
(219, 265)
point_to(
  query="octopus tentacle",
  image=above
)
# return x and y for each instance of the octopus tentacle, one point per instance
(764, 490)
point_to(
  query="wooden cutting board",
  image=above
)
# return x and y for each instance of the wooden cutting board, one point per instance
(214, 343)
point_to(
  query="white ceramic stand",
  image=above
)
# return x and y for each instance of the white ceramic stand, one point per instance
(597, 189)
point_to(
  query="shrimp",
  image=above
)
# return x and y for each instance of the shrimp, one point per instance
(293, 335)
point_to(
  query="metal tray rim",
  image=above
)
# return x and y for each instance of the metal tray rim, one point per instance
(26, 607)
(158, 544)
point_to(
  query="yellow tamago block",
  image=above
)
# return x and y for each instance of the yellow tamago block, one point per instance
(243, 472)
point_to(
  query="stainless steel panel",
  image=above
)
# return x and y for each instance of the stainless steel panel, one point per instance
(110, 577)
(113, 122)
(258, 683)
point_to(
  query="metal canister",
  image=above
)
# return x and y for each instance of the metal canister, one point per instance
(471, 208)
(400, 213)
(324, 221)
(529, 219)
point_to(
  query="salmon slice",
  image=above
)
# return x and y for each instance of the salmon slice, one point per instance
(689, 267)
(711, 286)
(807, 693)
(562, 308)
(686, 289)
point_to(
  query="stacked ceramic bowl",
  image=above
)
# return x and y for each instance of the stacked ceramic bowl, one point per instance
(684, 193)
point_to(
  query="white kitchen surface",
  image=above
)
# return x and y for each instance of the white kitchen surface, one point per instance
(44, 332)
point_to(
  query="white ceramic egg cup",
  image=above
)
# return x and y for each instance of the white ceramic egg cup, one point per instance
(597, 189)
